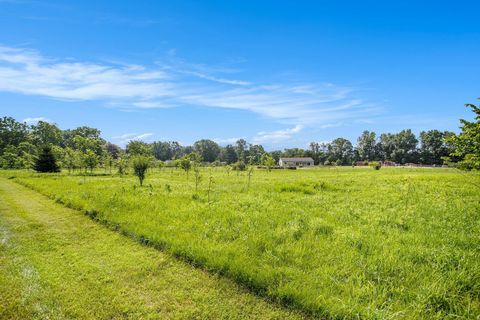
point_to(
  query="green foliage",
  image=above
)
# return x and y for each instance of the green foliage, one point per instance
(255, 154)
(400, 147)
(228, 154)
(340, 151)
(17, 157)
(44, 133)
(470, 162)
(239, 166)
(139, 148)
(194, 157)
(434, 146)
(122, 164)
(72, 159)
(140, 165)
(375, 165)
(241, 150)
(108, 162)
(12, 133)
(113, 150)
(83, 139)
(185, 164)
(268, 161)
(90, 160)
(166, 150)
(207, 149)
(46, 161)
(467, 143)
(367, 146)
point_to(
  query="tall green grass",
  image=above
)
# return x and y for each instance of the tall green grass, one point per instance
(338, 243)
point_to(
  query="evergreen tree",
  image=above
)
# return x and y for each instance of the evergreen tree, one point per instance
(46, 161)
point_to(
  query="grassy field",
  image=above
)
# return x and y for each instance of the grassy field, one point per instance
(55, 263)
(334, 242)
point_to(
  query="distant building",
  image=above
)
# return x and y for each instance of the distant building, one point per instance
(296, 162)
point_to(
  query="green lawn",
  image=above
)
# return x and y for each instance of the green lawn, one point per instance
(334, 242)
(55, 263)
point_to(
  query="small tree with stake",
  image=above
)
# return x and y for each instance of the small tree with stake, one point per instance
(140, 166)
(268, 161)
(46, 161)
(198, 177)
(186, 164)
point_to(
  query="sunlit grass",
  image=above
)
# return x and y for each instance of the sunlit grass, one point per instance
(337, 242)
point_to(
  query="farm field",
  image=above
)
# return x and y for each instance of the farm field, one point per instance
(55, 263)
(332, 242)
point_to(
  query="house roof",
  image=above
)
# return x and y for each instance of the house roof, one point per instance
(297, 159)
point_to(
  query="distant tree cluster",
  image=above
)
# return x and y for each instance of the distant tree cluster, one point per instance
(401, 148)
(23, 146)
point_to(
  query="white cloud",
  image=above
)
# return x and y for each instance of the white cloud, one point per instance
(127, 137)
(31, 121)
(225, 141)
(164, 86)
(215, 79)
(277, 136)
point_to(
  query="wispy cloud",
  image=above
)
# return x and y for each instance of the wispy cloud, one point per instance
(127, 137)
(172, 85)
(224, 141)
(31, 121)
(277, 136)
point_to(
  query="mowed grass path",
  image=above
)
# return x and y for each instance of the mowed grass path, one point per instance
(342, 243)
(55, 263)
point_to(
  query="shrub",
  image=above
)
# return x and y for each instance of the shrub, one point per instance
(470, 162)
(375, 165)
(268, 161)
(140, 166)
(122, 165)
(239, 166)
(185, 163)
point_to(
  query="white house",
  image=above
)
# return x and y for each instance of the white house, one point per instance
(296, 162)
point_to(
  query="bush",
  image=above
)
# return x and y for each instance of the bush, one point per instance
(471, 162)
(375, 165)
(185, 163)
(122, 165)
(140, 166)
(239, 166)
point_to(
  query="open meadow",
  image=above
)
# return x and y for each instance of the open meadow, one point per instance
(336, 242)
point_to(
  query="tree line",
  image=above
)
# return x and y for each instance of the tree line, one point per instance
(84, 148)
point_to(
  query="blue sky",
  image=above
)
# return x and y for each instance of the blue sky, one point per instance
(279, 73)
